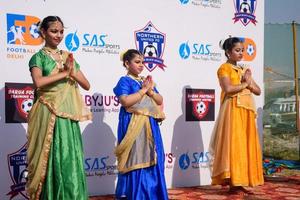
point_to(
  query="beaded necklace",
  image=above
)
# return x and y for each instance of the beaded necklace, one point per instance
(59, 62)
(138, 79)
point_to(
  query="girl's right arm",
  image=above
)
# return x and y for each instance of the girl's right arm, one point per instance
(130, 100)
(40, 81)
(134, 98)
(228, 88)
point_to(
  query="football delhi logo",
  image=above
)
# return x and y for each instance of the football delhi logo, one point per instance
(151, 43)
(245, 11)
(22, 30)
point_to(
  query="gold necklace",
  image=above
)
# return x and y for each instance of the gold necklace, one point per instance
(139, 78)
(59, 62)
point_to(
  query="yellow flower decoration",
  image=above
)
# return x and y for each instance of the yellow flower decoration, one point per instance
(122, 55)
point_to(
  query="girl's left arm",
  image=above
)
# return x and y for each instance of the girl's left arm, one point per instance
(254, 88)
(156, 97)
(79, 77)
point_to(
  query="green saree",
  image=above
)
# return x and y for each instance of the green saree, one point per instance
(54, 151)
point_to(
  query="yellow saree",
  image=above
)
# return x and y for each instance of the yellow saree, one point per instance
(234, 146)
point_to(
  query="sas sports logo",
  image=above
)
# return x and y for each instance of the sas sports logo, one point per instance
(89, 42)
(184, 1)
(97, 43)
(184, 161)
(72, 41)
(244, 11)
(200, 51)
(151, 42)
(22, 30)
(203, 3)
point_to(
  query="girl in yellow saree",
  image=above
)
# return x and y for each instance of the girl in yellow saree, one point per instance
(234, 146)
(54, 151)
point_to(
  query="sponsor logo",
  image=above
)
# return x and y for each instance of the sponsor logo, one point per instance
(199, 51)
(17, 169)
(102, 103)
(91, 43)
(151, 42)
(199, 160)
(184, 161)
(200, 104)
(250, 49)
(18, 101)
(21, 32)
(98, 166)
(203, 3)
(244, 11)
(170, 158)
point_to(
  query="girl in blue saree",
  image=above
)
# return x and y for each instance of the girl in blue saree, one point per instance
(139, 152)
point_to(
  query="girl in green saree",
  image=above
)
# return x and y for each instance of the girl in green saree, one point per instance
(54, 151)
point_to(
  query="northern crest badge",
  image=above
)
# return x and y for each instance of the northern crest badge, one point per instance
(17, 169)
(245, 10)
(151, 42)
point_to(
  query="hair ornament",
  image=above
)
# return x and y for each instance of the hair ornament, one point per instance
(122, 55)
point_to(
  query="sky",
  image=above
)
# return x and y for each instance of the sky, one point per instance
(282, 11)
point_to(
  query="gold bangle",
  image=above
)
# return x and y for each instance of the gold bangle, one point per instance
(141, 93)
(152, 94)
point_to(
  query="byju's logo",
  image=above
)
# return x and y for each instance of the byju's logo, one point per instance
(184, 161)
(22, 30)
(18, 173)
(151, 42)
(199, 51)
(245, 10)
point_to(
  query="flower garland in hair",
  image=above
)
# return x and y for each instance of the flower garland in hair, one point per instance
(221, 43)
(122, 55)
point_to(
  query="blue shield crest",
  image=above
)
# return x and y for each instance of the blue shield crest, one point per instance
(151, 42)
(245, 10)
(17, 165)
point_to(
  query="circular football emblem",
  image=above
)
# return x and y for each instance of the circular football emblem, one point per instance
(27, 105)
(200, 109)
(34, 31)
(250, 49)
(150, 51)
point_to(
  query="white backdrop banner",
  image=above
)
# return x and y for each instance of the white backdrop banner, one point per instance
(180, 39)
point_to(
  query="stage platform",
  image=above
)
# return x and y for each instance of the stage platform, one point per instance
(279, 186)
